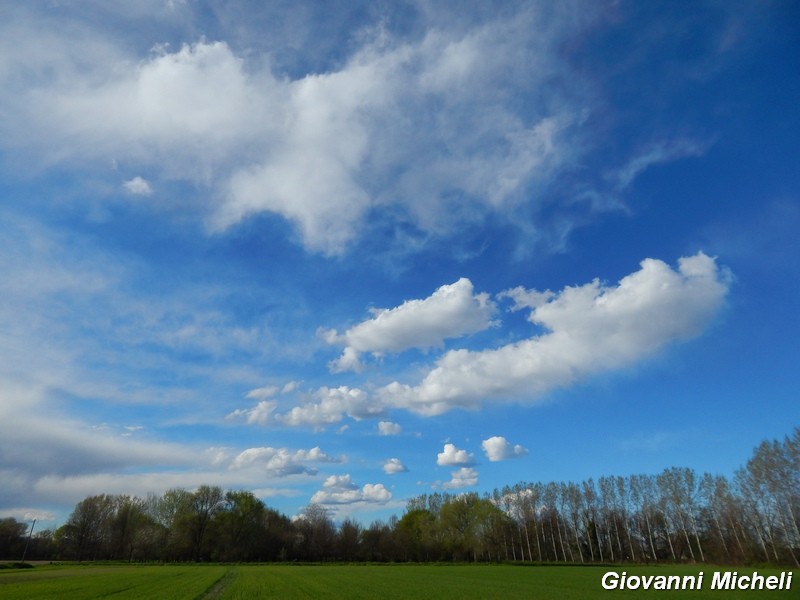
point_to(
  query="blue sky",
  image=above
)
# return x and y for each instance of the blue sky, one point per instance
(349, 253)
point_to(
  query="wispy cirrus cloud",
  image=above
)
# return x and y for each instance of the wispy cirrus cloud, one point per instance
(655, 154)
(54, 460)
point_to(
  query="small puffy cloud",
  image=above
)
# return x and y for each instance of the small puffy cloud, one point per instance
(131, 429)
(260, 414)
(375, 493)
(218, 456)
(326, 406)
(464, 477)
(451, 311)
(498, 448)
(138, 187)
(340, 489)
(451, 456)
(389, 428)
(394, 466)
(522, 298)
(350, 360)
(39, 515)
(27, 514)
(289, 387)
(331, 405)
(281, 462)
(588, 329)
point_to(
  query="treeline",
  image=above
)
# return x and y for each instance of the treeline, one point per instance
(676, 516)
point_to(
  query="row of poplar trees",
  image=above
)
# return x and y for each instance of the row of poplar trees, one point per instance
(675, 516)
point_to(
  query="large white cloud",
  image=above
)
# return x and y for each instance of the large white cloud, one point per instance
(590, 329)
(321, 149)
(451, 311)
(186, 113)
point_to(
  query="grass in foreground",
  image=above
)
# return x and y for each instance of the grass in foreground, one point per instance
(89, 582)
(334, 582)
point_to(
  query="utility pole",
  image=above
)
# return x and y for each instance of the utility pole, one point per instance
(28, 541)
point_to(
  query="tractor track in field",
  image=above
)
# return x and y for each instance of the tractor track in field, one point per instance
(219, 586)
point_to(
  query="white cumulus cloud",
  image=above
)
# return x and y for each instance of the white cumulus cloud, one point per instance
(340, 489)
(260, 414)
(498, 448)
(590, 329)
(451, 456)
(319, 148)
(393, 466)
(138, 187)
(389, 428)
(325, 406)
(464, 477)
(281, 461)
(451, 311)
(331, 405)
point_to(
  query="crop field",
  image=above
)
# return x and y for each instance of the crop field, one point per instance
(220, 582)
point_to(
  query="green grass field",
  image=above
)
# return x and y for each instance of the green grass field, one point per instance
(178, 582)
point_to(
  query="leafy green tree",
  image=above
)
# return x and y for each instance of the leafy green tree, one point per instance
(203, 505)
(240, 527)
(279, 536)
(348, 540)
(86, 534)
(12, 538)
(416, 535)
(316, 533)
(169, 512)
(466, 521)
(379, 543)
(128, 525)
